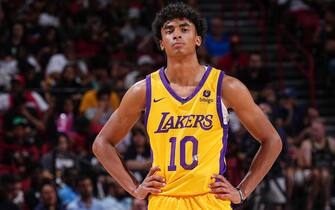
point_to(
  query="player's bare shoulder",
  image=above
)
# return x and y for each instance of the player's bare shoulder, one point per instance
(136, 95)
(139, 87)
(232, 84)
(232, 89)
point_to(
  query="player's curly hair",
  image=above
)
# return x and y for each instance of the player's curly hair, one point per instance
(178, 10)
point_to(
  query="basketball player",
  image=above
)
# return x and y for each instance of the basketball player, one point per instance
(186, 117)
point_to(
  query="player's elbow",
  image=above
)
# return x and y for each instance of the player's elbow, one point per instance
(273, 144)
(276, 144)
(98, 145)
(280, 144)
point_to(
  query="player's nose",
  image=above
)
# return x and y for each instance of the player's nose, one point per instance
(176, 34)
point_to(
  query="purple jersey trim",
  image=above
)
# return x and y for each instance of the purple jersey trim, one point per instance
(218, 98)
(177, 97)
(224, 126)
(147, 108)
(223, 166)
(147, 99)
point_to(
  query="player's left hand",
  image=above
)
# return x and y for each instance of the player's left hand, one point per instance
(224, 190)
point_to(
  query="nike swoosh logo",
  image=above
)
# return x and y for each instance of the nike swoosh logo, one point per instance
(156, 100)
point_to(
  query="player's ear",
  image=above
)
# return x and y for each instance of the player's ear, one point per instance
(161, 45)
(198, 41)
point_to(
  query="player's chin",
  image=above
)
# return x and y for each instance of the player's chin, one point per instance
(179, 52)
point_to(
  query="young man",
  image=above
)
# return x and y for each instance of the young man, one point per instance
(187, 123)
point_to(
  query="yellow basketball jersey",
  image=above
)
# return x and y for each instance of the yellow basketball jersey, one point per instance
(188, 136)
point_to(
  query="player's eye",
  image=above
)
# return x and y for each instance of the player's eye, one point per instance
(169, 31)
(184, 30)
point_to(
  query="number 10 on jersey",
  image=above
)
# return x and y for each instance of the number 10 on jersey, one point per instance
(182, 145)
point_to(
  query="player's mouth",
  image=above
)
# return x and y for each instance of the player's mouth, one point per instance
(177, 44)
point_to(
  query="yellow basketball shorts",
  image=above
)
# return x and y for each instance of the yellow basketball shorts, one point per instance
(198, 202)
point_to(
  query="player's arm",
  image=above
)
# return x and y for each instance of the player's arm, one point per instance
(236, 96)
(119, 124)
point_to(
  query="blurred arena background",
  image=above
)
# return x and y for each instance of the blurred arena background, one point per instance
(65, 65)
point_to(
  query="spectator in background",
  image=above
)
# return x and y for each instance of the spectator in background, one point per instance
(30, 70)
(145, 65)
(86, 201)
(117, 198)
(16, 191)
(24, 103)
(148, 47)
(216, 42)
(49, 42)
(90, 100)
(66, 190)
(116, 13)
(325, 56)
(306, 18)
(235, 60)
(8, 69)
(254, 76)
(60, 158)
(49, 200)
(20, 143)
(16, 39)
(291, 113)
(234, 165)
(122, 147)
(137, 156)
(38, 178)
(58, 61)
(318, 153)
(297, 174)
(49, 16)
(328, 27)
(118, 72)
(99, 115)
(132, 31)
(99, 71)
(68, 85)
(65, 118)
(92, 42)
(310, 116)
(268, 95)
(5, 200)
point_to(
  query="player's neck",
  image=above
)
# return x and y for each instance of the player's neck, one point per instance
(185, 71)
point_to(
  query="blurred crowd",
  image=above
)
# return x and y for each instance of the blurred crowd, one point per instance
(64, 67)
(311, 22)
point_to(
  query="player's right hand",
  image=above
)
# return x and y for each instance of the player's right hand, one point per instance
(151, 184)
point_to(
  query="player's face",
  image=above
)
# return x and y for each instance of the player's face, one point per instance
(179, 37)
